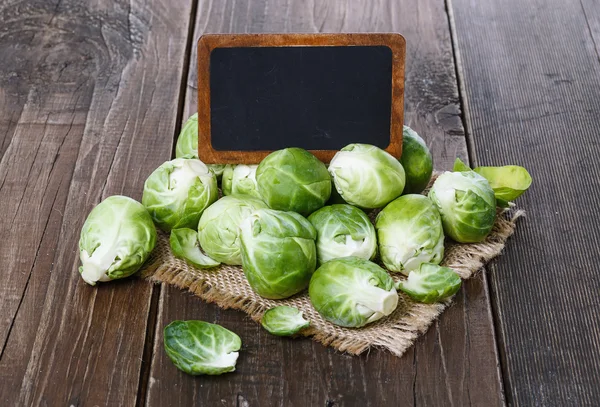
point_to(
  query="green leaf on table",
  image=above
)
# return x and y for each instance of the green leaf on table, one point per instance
(185, 245)
(431, 283)
(284, 321)
(508, 182)
(198, 347)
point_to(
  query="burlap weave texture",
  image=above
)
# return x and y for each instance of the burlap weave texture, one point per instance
(227, 287)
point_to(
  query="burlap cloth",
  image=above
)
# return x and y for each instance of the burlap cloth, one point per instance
(227, 287)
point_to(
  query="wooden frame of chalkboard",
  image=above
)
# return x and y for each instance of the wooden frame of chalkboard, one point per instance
(209, 42)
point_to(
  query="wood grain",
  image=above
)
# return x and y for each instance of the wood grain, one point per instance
(531, 72)
(88, 104)
(456, 362)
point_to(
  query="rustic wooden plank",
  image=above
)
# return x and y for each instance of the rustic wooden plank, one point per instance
(532, 78)
(455, 363)
(90, 92)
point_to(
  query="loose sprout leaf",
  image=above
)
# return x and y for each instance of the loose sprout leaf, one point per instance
(431, 283)
(198, 347)
(460, 166)
(284, 321)
(508, 182)
(185, 245)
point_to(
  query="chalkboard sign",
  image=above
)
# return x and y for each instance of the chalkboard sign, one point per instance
(263, 92)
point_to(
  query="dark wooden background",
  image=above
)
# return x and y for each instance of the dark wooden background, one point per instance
(92, 95)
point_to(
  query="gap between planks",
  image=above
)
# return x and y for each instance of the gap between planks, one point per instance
(496, 327)
(152, 322)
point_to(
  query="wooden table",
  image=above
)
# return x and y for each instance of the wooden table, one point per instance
(92, 96)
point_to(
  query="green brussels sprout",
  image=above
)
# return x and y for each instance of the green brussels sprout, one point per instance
(284, 321)
(218, 229)
(185, 245)
(367, 176)
(343, 230)
(293, 179)
(177, 193)
(431, 283)
(467, 205)
(187, 142)
(416, 160)
(197, 347)
(240, 180)
(352, 292)
(278, 252)
(508, 182)
(410, 233)
(116, 239)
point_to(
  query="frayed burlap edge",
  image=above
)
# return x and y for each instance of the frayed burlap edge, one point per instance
(227, 287)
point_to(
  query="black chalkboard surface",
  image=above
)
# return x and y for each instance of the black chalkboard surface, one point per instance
(313, 91)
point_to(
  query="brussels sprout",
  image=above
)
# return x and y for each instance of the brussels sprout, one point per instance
(352, 292)
(293, 180)
(116, 239)
(284, 321)
(177, 193)
(185, 245)
(278, 252)
(197, 347)
(187, 142)
(416, 161)
(410, 233)
(431, 283)
(218, 230)
(240, 180)
(466, 203)
(367, 176)
(342, 231)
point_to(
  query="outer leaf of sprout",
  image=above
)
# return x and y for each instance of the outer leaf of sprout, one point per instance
(431, 283)
(185, 245)
(198, 347)
(284, 321)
